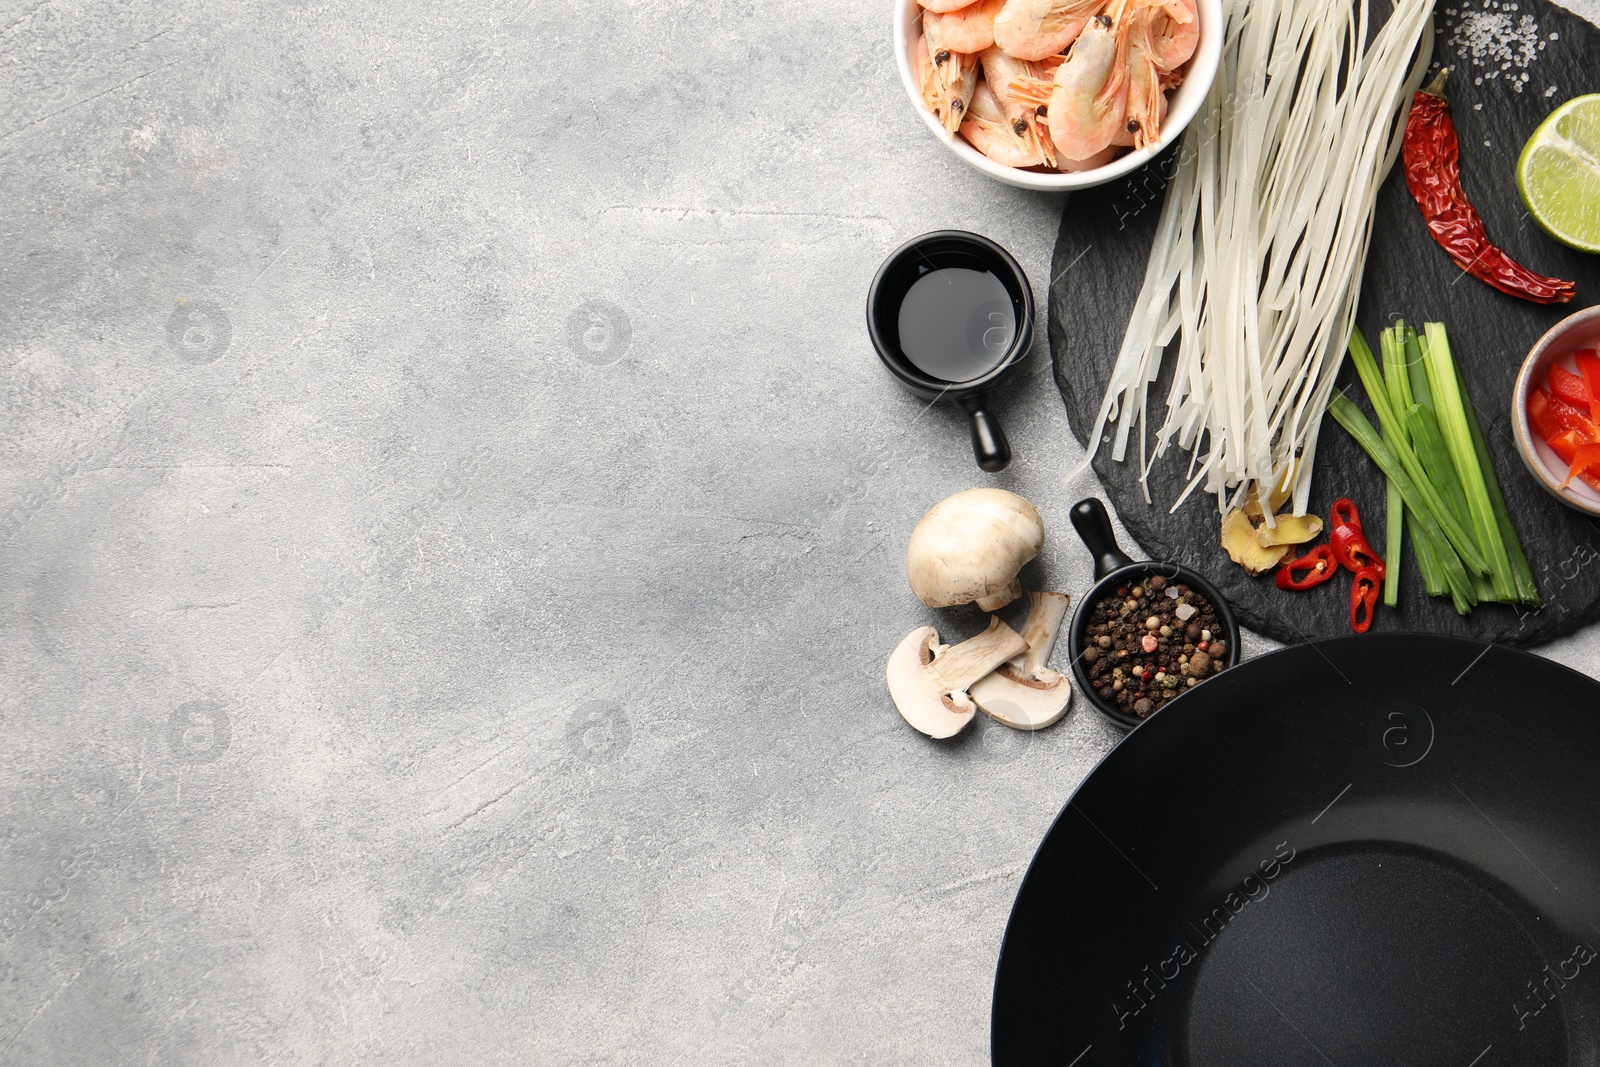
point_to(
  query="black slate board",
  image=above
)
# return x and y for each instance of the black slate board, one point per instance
(1100, 257)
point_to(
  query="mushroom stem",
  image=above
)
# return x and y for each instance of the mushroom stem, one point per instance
(957, 667)
(1045, 612)
(1000, 600)
(1024, 693)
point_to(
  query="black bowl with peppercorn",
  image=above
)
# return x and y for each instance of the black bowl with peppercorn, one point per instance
(1146, 632)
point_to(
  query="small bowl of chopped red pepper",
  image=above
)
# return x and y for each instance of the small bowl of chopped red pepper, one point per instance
(1146, 633)
(1555, 411)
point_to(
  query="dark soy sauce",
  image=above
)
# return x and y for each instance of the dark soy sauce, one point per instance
(957, 324)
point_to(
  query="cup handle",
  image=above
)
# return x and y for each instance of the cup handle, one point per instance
(989, 442)
(1093, 524)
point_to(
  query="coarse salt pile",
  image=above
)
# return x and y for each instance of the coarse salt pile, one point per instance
(1497, 42)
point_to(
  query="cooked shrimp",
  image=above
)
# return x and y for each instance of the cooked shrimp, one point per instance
(947, 83)
(1147, 102)
(968, 30)
(1147, 109)
(1004, 74)
(942, 6)
(1073, 166)
(1175, 32)
(990, 131)
(1034, 29)
(934, 29)
(1035, 92)
(1089, 101)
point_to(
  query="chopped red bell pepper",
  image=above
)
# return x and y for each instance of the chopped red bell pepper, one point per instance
(1566, 446)
(1589, 367)
(1309, 571)
(1552, 417)
(1570, 417)
(1364, 598)
(1344, 513)
(1569, 386)
(1585, 460)
(1351, 549)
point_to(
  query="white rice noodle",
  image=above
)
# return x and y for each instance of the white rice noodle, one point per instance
(1258, 256)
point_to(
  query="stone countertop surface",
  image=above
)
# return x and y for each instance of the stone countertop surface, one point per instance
(454, 527)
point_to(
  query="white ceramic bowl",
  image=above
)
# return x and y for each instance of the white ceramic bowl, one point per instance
(1182, 105)
(1565, 337)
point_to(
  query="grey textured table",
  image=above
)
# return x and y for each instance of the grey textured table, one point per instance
(453, 528)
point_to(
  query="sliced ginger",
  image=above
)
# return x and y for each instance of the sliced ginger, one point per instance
(1289, 530)
(1275, 499)
(1239, 540)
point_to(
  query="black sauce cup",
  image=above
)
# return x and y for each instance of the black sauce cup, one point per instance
(1112, 570)
(911, 261)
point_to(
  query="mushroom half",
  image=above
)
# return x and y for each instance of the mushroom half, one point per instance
(929, 681)
(1024, 693)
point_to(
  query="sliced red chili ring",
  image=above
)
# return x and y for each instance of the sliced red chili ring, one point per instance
(1308, 571)
(1351, 549)
(1364, 599)
(1344, 513)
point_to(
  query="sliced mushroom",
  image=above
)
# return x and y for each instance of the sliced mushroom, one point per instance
(929, 681)
(1024, 693)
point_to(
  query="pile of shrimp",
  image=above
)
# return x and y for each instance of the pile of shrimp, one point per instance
(1064, 85)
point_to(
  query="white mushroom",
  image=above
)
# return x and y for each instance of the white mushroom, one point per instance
(929, 681)
(970, 548)
(1024, 693)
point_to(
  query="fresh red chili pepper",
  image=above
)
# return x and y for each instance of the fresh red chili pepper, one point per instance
(1364, 598)
(1350, 548)
(1309, 571)
(1433, 173)
(1348, 540)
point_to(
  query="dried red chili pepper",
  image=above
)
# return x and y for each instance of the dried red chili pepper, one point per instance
(1317, 566)
(1364, 598)
(1433, 173)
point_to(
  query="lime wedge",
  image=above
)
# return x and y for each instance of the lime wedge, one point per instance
(1559, 174)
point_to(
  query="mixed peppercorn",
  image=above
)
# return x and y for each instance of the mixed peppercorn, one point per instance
(1147, 643)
